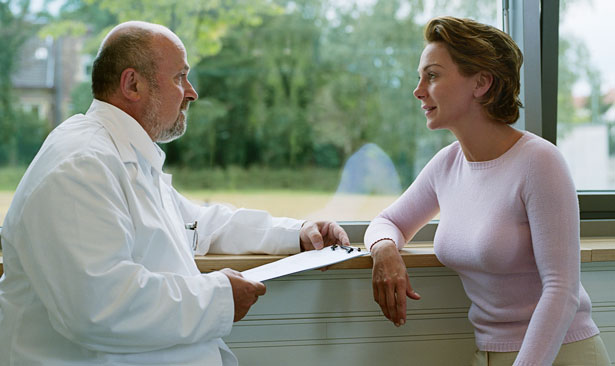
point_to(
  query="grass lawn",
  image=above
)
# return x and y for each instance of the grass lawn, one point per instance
(305, 193)
(300, 204)
(297, 204)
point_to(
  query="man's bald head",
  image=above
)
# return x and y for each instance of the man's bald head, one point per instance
(128, 45)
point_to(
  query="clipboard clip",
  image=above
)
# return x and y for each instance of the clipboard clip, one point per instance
(348, 249)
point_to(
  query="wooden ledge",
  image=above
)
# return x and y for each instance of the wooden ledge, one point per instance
(415, 255)
(597, 250)
(420, 254)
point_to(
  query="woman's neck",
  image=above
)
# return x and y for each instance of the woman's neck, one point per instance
(486, 140)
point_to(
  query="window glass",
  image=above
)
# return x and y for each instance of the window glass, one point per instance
(586, 92)
(313, 109)
(305, 108)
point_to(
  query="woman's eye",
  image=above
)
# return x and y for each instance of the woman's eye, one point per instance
(429, 76)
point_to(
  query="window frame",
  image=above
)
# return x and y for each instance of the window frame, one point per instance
(595, 206)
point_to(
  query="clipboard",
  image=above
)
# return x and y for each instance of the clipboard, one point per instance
(304, 261)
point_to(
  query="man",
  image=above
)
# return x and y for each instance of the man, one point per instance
(98, 263)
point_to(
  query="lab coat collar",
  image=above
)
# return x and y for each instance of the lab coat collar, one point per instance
(127, 134)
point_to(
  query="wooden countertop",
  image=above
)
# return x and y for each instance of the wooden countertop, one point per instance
(417, 254)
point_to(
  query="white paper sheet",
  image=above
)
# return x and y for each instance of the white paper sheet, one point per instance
(302, 262)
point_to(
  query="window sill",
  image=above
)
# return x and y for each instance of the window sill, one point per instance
(415, 255)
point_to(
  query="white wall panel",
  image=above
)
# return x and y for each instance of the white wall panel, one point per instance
(330, 318)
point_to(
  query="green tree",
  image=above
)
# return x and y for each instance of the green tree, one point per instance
(315, 83)
(200, 24)
(14, 32)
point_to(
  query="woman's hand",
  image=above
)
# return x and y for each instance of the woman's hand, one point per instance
(390, 281)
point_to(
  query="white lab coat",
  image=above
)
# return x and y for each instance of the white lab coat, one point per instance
(99, 268)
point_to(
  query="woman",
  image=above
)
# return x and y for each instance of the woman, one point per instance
(509, 217)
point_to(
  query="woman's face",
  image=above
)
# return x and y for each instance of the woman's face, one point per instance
(446, 95)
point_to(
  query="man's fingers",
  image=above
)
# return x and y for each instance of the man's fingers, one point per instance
(315, 237)
(245, 292)
(260, 288)
(325, 228)
(341, 235)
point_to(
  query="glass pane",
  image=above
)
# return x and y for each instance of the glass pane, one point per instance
(305, 109)
(586, 92)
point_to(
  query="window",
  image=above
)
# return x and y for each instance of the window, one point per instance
(317, 103)
(306, 107)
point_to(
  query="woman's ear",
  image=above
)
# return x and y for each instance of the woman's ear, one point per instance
(483, 83)
(130, 84)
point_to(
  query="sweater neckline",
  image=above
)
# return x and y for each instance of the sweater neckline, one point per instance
(480, 165)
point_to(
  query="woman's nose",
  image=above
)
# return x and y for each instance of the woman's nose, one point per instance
(419, 92)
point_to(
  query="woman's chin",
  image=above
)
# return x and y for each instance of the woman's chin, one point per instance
(433, 125)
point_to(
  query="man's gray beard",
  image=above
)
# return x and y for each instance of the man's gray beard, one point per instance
(176, 131)
(159, 134)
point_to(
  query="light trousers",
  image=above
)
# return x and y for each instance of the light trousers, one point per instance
(587, 352)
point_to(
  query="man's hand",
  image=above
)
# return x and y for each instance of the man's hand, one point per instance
(390, 282)
(245, 292)
(317, 235)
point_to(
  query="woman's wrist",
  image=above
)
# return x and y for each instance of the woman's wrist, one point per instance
(383, 245)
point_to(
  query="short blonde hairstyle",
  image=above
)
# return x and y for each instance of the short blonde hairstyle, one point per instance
(476, 47)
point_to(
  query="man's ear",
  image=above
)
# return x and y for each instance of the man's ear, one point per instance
(483, 83)
(131, 84)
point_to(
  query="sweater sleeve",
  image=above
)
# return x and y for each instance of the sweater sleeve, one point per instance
(553, 214)
(411, 211)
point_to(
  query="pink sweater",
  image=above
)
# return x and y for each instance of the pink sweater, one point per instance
(510, 228)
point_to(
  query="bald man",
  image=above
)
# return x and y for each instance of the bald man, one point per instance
(99, 248)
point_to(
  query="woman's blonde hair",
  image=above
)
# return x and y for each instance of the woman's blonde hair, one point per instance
(476, 47)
